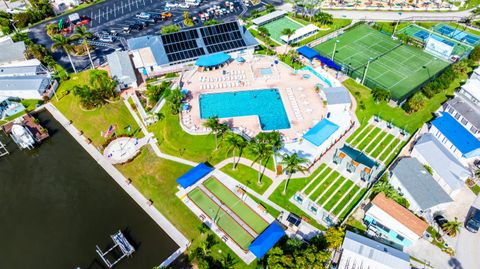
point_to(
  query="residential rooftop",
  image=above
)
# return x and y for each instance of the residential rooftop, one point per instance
(419, 183)
(467, 109)
(337, 95)
(121, 67)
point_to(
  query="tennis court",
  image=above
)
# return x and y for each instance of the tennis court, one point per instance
(221, 218)
(399, 68)
(233, 202)
(457, 34)
(276, 27)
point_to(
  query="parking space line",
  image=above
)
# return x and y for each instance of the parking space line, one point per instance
(99, 16)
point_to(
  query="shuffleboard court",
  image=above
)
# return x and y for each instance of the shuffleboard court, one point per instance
(394, 66)
(222, 219)
(242, 210)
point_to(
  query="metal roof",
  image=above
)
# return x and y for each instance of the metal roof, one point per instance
(10, 52)
(472, 86)
(28, 67)
(456, 133)
(376, 251)
(467, 109)
(300, 32)
(121, 67)
(419, 183)
(190, 44)
(337, 95)
(268, 17)
(442, 161)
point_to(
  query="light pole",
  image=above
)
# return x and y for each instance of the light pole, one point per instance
(428, 71)
(366, 70)
(334, 48)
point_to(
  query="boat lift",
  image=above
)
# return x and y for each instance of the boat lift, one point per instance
(3, 149)
(121, 243)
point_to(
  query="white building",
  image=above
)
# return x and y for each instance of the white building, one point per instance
(338, 99)
(447, 170)
(471, 90)
(362, 252)
(121, 69)
(60, 6)
(465, 112)
(422, 191)
(388, 219)
(300, 34)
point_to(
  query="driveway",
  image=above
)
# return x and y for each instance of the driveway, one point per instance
(467, 250)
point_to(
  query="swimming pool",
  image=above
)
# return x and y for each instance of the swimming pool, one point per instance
(266, 104)
(318, 75)
(266, 71)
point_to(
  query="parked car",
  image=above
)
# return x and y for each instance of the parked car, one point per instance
(143, 15)
(472, 221)
(440, 220)
(107, 38)
(170, 5)
(183, 5)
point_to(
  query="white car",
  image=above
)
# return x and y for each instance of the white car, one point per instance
(171, 5)
(183, 5)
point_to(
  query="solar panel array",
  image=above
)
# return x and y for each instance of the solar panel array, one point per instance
(222, 37)
(182, 45)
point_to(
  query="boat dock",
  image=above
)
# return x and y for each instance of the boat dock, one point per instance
(121, 245)
(32, 127)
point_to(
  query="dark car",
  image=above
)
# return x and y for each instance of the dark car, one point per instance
(472, 221)
(440, 220)
(143, 23)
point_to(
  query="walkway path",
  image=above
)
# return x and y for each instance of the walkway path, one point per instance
(126, 185)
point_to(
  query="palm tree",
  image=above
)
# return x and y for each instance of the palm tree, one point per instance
(82, 33)
(60, 41)
(293, 163)
(323, 18)
(263, 31)
(234, 142)
(261, 151)
(477, 173)
(216, 128)
(228, 261)
(288, 32)
(452, 228)
(52, 29)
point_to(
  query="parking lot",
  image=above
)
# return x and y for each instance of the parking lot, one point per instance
(117, 14)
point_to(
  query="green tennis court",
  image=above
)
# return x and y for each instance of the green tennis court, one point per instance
(399, 68)
(222, 219)
(276, 27)
(242, 210)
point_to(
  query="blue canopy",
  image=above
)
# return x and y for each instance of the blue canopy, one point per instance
(460, 137)
(194, 175)
(311, 54)
(320, 132)
(266, 240)
(240, 59)
(213, 59)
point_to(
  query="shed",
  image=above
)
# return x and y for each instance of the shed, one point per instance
(266, 240)
(194, 175)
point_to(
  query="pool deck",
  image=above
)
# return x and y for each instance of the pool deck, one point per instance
(303, 105)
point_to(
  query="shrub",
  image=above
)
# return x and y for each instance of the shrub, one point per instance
(415, 103)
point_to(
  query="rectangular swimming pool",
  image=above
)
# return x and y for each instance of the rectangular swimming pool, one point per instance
(266, 104)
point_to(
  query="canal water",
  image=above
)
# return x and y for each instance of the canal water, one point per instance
(57, 204)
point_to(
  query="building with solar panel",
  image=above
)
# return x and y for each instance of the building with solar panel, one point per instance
(159, 54)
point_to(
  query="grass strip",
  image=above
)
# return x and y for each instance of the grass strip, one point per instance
(329, 192)
(382, 145)
(318, 180)
(324, 186)
(369, 138)
(338, 195)
(346, 199)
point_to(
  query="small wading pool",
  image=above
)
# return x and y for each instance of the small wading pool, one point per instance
(266, 71)
(266, 104)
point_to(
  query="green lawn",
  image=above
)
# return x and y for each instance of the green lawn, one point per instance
(221, 218)
(385, 142)
(325, 30)
(248, 177)
(387, 159)
(369, 138)
(276, 27)
(330, 190)
(272, 211)
(475, 189)
(378, 141)
(320, 190)
(367, 107)
(352, 203)
(362, 130)
(243, 211)
(345, 200)
(156, 178)
(174, 141)
(92, 123)
(319, 178)
(338, 195)
(295, 185)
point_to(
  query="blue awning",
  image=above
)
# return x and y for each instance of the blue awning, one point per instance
(266, 240)
(456, 133)
(212, 60)
(240, 59)
(311, 54)
(320, 132)
(194, 175)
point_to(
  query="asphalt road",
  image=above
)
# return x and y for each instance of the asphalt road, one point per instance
(395, 15)
(114, 14)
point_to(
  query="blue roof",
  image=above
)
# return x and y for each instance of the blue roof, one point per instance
(266, 240)
(311, 54)
(194, 175)
(213, 59)
(460, 137)
(320, 132)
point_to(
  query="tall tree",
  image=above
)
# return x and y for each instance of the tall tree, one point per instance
(323, 18)
(62, 42)
(263, 31)
(452, 228)
(216, 128)
(477, 173)
(288, 32)
(174, 97)
(334, 237)
(82, 33)
(261, 151)
(292, 164)
(234, 142)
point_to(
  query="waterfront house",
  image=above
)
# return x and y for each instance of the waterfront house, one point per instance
(446, 169)
(387, 219)
(11, 51)
(361, 252)
(465, 112)
(410, 178)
